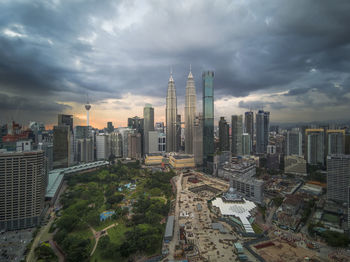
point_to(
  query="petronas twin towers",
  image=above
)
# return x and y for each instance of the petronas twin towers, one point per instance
(171, 115)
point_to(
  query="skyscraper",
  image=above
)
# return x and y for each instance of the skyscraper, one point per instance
(110, 127)
(178, 133)
(66, 120)
(198, 139)
(136, 123)
(262, 131)
(148, 116)
(294, 143)
(170, 114)
(237, 133)
(246, 144)
(224, 129)
(315, 146)
(23, 183)
(190, 112)
(338, 177)
(249, 125)
(63, 155)
(335, 141)
(208, 117)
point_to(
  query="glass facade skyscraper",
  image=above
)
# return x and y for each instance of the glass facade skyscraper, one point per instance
(208, 117)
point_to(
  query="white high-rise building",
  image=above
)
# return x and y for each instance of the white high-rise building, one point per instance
(294, 143)
(190, 112)
(246, 144)
(23, 182)
(335, 141)
(315, 146)
(102, 147)
(338, 177)
(171, 113)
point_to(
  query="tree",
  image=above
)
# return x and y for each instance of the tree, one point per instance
(77, 248)
(45, 252)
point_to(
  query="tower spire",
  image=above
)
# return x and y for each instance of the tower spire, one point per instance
(171, 79)
(190, 73)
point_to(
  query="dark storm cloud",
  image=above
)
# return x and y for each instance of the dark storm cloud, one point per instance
(61, 50)
(30, 104)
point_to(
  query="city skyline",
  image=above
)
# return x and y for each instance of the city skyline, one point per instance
(120, 54)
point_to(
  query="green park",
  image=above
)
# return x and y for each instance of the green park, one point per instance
(113, 214)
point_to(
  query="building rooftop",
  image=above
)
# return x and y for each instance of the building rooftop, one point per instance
(169, 227)
(182, 156)
(239, 210)
(56, 175)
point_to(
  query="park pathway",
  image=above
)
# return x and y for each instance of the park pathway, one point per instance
(98, 234)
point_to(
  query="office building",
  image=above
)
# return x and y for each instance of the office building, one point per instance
(315, 146)
(294, 143)
(84, 150)
(178, 133)
(102, 147)
(198, 140)
(249, 126)
(124, 134)
(338, 177)
(47, 147)
(63, 154)
(81, 132)
(262, 131)
(160, 127)
(171, 115)
(335, 141)
(134, 145)
(65, 120)
(136, 123)
(208, 119)
(237, 133)
(241, 177)
(153, 143)
(23, 183)
(161, 142)
(115, 142)
(190, 112)
(110, 127)
(246, 144)
(148, 116)
(271, 149)
(224, 140)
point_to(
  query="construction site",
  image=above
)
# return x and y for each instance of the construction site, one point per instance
(201, 235)
(200, 230)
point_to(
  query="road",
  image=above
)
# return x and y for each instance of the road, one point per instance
(58, 253)
(44, 230)
(175, 239)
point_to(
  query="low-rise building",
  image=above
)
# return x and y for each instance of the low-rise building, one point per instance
(153, 159)
(181, 161)
(242, 179)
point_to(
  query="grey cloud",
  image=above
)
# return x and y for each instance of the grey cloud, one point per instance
(255, 105)
(21, 103)
(247, 54)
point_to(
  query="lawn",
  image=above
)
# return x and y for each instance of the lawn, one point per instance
(116, 233)
(330, 218)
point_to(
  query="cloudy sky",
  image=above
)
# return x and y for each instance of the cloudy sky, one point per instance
(289, 57)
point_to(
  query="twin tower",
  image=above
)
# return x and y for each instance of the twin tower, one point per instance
(172, 122)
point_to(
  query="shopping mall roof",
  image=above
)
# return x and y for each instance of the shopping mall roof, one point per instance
(55, 176)
(240, 210)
